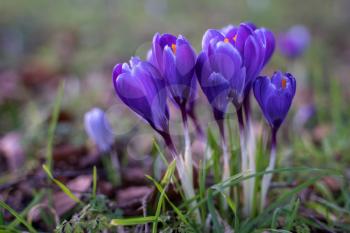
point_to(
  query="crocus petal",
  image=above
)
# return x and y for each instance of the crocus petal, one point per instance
(143, 90)
(276, 108)
(225, 60)
(185, 57)
(167, 39)
(231, 35)
(131, 92)
(203, 69)
(170, 73)
(253, 58)
(237, 87)
(208, 36)
(268, 40)
(157, 52)
(251, 25)
(217, 89)
(243, 32)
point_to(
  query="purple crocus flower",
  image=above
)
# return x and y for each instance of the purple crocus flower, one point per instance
(255, 47)
(294, 42)
(98, 129)
(175, 59)
(275, 96)
(141, 87)
(221, 76)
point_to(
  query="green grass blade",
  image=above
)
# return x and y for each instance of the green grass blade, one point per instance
(94, 182)
(292, 217)
(64, 188)
(274, 218)
(17, 216)
(132, 221)
(165, 181)
(217, 228)
(53, 124)
(182, 217)
(35, 201)
(5, 229)
(160, 152)
(265, 216)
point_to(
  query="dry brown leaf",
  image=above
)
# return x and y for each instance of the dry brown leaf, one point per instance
(61, 202)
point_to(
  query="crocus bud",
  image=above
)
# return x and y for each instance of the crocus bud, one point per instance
(275, 96)
(140, 86)
(175, 59)
(294, 42)
(98, 129)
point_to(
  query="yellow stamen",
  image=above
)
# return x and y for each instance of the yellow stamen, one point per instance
(284, 83)
(226, 40)
(234, 38)
(173, 47)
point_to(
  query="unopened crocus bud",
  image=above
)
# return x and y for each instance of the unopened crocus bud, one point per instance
(275, 96)
(141, 87)
(98, 129)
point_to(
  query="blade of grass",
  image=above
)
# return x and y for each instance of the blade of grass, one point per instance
(182, 217)
(63, 187)
(17, 216)
(94, 182)
(2, 222)
(202, 178)
(265, 216)
(291, 218)
(217, 228)
(215, 157)
(5, 229)
(35, 201)
(165, 181)
(160, 152)
(53, 124)
(333, 206)
(132, 221)
(274, 218)
(237, 180)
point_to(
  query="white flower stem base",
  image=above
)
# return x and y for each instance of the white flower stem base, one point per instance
(266, 180)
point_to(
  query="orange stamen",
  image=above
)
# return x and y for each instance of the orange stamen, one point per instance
(173, 47)
(226, 40)
(234, 38)
(284, 83)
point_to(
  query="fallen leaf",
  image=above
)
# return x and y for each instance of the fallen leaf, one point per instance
(62, 203)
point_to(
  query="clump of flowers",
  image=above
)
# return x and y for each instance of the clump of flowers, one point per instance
(227, 69)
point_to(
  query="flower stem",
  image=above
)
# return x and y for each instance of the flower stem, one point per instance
(266, 180)
(188, 155)
(226, 157)
(199, 130)
(184, 165)
(244, 159)
(251, 147)
(169, 144)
